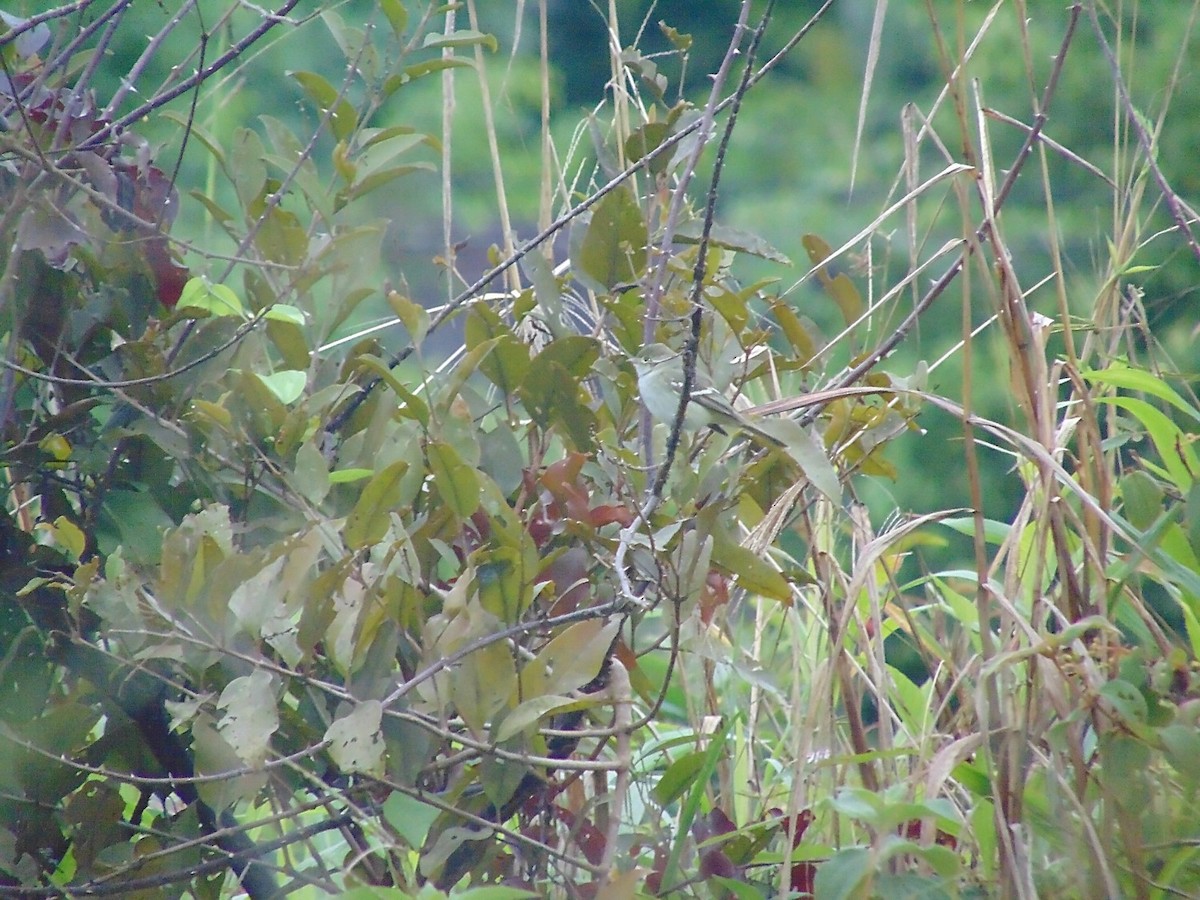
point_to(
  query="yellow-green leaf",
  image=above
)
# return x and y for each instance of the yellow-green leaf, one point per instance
(569, 660)
(368, 521)
(464, 38)
(456, 482)
(397, 15)
(323, 94)
(481, 684)
(753, 573)
(214, 299)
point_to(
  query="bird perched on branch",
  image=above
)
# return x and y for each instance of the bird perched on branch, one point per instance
(660, 382)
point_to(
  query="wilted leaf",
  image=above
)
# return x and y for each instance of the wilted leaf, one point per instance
(50, 232)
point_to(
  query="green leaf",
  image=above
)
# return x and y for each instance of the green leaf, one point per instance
(67, 535)
(753, 572)
(1182, 745)
(858, 803)
(613, 248)
(368, 521)
(214, 299)
(456, 482)
(1192, 625)
(413, 315)
(529, 713)
(645, 140)
(808, 453)
(246, 166)
(1123, 376)
(397, 15)
(311, 474)
(283, 312)
(214, 756)
(414, 407)
(679, 778)
(481, 684)
(323, 94)
(844, 875)
(505, 587)
(410, 817)
(464, 38)
(910, 886)
(551, 389)
(569, 660)
(507, 364)
(366, 185)
(494, 892)
(1143, 498)
(346, 476)
(994, 532)
(290, 341)
(1126, 700)
(739, 889)
(287, 385)
(576, 354)
(1174, 448)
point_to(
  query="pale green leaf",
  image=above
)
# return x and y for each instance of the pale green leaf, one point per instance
(283, 312)
(251, 716)
(215, 299)
(464, 38)
(287, 385)
(409, 817)
(355, 744)
(529, 713)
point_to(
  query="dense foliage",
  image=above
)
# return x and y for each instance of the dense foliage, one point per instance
(291, 605)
